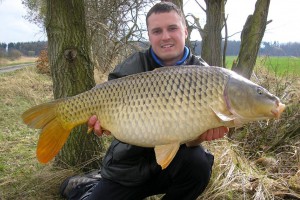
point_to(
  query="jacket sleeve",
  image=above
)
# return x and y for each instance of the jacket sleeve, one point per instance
(131, 65)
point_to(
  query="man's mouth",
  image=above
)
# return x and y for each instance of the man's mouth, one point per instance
(166, 46)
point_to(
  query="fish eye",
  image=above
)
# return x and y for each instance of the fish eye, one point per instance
(259, 91)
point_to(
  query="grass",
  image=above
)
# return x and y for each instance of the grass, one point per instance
(258, 161)
(279, 65)
(23, 60)
(18, 163)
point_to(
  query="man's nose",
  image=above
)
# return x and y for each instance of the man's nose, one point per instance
(165, 35)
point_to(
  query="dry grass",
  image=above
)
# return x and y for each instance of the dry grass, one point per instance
(21, 176)
(236, 176)
(23, 59)
(19, 90)
(259, 161)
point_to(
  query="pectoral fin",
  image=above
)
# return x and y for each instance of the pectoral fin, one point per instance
(235, 120)
(165, 154)
(223, 117)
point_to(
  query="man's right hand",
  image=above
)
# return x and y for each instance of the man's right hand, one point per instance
(94, 124)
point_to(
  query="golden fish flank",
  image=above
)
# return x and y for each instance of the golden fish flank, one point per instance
(162, 108)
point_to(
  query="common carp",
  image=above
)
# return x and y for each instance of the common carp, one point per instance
(162, 109)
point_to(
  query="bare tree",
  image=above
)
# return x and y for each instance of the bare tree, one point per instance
(193, 25)
(115, 28)
(211, 32)
(251, 38)
(36, 11)
(212, 36)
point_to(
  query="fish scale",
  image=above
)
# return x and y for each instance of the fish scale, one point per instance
(162, 109)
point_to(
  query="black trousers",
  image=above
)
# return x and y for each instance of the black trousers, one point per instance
(185, 178)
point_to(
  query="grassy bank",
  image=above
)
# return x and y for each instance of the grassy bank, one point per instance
(258, 161)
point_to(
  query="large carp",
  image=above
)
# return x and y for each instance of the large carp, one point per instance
(162, 109)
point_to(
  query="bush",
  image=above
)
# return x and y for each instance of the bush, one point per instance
(14, 54)
(42, 63)
(31, 53)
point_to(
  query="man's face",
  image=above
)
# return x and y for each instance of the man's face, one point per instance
(167, 36)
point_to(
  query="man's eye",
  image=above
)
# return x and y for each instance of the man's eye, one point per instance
(156, 32)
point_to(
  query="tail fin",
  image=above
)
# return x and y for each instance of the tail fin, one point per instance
(53, 134)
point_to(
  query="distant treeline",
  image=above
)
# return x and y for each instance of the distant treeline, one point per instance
(267, 48)
(25, 48)
(233, 47)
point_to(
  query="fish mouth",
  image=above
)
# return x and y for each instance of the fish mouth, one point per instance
(278, 110)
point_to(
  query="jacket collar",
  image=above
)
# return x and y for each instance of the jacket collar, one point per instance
(180, 62)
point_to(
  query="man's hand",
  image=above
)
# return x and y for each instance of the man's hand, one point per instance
(211, 134)
(94, 124)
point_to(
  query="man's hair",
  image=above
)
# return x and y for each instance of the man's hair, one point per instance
(165, 7)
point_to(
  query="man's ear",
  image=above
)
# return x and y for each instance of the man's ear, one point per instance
(186, 32)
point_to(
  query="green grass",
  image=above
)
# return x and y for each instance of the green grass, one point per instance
(282, 65)
(279, 65)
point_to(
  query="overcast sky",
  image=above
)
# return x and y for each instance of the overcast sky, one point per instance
(284, 28)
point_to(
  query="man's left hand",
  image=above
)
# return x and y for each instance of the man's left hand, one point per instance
(211, 134)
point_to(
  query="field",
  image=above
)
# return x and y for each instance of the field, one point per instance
(278, 65)
(258, 161)
(22, 60)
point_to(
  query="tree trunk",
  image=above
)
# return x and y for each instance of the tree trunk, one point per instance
(71, 68)
(251, 38)
(212, 38)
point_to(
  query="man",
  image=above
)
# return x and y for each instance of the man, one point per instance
(131, 172)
